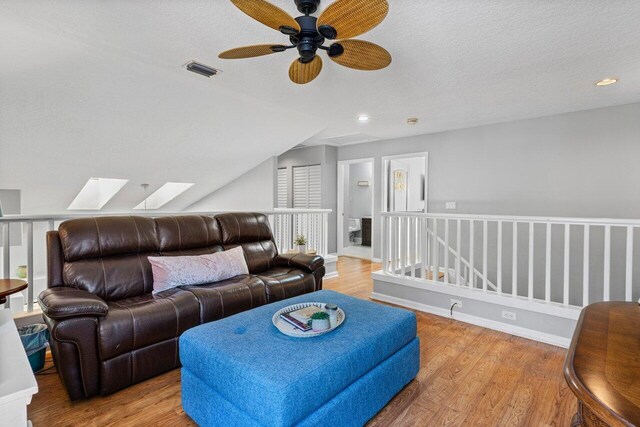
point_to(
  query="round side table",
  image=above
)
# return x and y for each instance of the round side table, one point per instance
(10, 286)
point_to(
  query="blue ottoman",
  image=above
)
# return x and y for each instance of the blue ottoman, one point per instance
(241, 371)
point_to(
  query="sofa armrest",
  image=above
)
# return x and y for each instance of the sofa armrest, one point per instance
(63, 302)
(309, 263)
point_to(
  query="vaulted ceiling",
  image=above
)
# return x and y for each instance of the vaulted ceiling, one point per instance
(97, 88)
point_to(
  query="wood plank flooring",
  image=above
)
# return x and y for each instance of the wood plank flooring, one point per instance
(470, 376)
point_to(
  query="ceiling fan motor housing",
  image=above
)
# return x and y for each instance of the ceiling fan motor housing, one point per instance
(307, 6)
(308, 40)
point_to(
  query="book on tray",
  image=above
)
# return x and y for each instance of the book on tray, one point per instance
(301, 318)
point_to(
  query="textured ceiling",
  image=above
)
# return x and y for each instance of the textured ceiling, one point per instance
(110, 71)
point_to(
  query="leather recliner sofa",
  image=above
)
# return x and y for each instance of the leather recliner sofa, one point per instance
(109, 331)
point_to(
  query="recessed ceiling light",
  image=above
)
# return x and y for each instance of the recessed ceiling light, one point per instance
(363, 118)
(412, 121)
(606, 82)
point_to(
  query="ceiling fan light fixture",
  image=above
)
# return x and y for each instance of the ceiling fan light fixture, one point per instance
(328, 31)
(335, 49)
(288, 31)
(606, 82)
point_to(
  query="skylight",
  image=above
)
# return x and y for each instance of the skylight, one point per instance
(96, 193)
(164, 195)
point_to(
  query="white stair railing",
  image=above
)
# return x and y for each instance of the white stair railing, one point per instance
(563, 261)
(22, 239)
(477, 274)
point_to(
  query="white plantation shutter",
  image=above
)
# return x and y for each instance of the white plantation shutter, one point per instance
(307, 191)
(282, 188)
(307, 194)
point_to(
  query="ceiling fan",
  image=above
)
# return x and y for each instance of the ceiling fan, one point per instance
(341, 21)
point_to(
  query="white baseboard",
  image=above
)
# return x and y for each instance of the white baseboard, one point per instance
(478, 321)
(331, 275)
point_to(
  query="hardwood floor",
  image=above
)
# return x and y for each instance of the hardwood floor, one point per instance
(470, 376)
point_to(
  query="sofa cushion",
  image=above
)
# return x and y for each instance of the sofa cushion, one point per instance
(111, 278)
(105, 236)
(286, 282)
(253, 233)
(137, 322)
(107, 256)
(228, 297)
(188, 235)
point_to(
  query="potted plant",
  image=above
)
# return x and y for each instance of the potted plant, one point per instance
(320, 321)
(301, 243)
(21, 271)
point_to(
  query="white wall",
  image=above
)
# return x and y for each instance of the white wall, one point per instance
(582, 164)
(11, 205)
(252, 191)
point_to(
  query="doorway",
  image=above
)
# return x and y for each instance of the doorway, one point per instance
(355, 208)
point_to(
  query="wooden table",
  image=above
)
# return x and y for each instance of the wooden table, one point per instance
(10, 286)
(602, 367)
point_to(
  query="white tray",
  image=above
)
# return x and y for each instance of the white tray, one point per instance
(288, 329)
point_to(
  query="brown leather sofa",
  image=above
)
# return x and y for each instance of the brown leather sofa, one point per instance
(108, 331)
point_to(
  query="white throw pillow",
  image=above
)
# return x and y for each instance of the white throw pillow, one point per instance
(172, 271)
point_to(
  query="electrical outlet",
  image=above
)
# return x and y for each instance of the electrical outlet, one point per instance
(457, 302)
(509, 315)
(450, 205)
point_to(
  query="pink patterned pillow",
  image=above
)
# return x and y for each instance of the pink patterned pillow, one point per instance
(172, 271)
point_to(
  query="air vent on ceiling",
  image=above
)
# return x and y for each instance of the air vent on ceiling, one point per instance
(203, 70)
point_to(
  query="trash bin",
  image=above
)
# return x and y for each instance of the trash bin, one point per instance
(34, 340)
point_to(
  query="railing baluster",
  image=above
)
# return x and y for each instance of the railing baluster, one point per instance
(425, 248)
(531, 246)
(412, 246)
(607, 264)
(629, 266)
(30, 266)
(499, 256)
(446, 250)
(430, 250)
(567, 259)
(458, 250)
(472, 269)
(325, 237)
(485, 249)
(318, 233)
(385, 243)
(435, 249)
(547, 265)
(585, 267)
(394, 245)
(514, 267)
(6, 255)
(403, 245)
